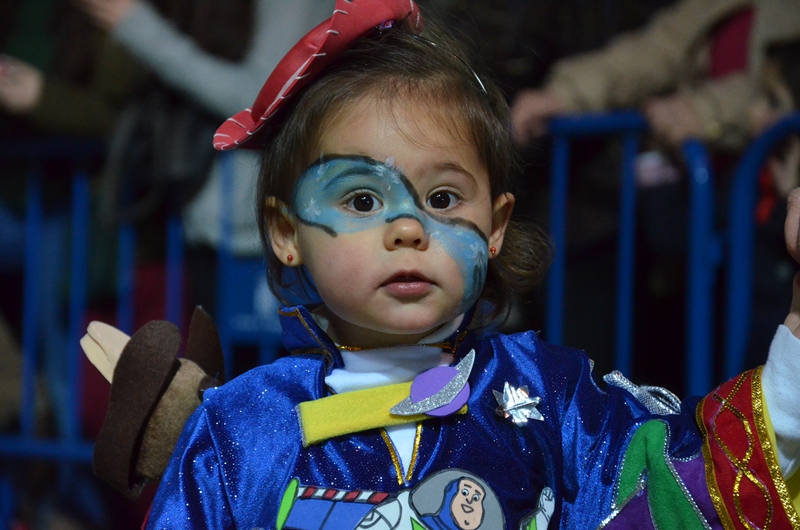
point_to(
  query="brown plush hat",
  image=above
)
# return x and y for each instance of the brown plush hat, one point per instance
(351, 19)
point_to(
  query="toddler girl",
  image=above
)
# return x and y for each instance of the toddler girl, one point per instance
(384, 208)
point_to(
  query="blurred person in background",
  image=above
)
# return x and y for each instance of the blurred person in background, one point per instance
(216, 59)
(695, 70)
(203, 53)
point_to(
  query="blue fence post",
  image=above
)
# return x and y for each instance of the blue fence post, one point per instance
(77, 296)
(626, 256)
(554, 328)
(31, 296)
(175, 263)
(741, 230)
(700, 269)
(126, 273)
(564, 129)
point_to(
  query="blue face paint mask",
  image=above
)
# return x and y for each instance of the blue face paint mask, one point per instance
(324, 189)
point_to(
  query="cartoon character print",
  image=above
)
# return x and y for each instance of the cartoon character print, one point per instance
(452, 499)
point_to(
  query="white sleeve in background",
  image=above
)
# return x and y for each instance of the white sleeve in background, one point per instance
(781, 386)
(223, 87)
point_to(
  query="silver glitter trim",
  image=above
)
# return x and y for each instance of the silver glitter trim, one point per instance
(657, 400)
(442, 397)
(517, 405)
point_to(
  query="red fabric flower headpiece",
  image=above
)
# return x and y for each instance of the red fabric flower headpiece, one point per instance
(351, 19)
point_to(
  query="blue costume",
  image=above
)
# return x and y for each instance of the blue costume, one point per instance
(595, 455)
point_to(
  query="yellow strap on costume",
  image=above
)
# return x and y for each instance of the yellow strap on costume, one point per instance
(356, 411)
(793, 482)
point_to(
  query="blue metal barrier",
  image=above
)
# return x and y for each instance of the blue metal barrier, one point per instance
(630, 125)
(69, 445)
(740, 238)
(60, 365)
(704, 258)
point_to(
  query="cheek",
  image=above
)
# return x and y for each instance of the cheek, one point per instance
(468, 251)
(329, 260)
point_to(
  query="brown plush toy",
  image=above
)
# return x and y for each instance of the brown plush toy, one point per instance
(153, 393)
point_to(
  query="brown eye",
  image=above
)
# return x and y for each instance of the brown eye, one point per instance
(441, 200)
(364, 203)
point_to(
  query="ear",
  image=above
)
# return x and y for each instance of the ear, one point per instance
(282, 229)
(501, 214)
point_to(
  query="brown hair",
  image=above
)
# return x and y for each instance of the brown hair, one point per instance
(394, 65)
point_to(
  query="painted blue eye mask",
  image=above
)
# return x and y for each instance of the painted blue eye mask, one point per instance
(346, 194)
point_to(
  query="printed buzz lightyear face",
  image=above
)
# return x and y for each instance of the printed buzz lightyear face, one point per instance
(394, 222)
(467, 505)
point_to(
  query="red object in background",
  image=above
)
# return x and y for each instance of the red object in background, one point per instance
(768, 197)
(730, 44)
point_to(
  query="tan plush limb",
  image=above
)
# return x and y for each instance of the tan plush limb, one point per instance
(102, 345)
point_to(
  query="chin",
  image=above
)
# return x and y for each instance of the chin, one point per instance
(415, 324)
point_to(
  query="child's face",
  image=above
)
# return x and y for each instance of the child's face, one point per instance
(394, 225)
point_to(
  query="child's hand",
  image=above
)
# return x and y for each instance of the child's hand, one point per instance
(791, 232)
(103, 345)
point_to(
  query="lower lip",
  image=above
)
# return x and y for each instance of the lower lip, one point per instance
(408, 289)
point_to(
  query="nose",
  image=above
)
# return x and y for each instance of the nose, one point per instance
(406, 232)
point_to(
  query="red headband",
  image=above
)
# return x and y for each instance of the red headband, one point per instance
(351, 19)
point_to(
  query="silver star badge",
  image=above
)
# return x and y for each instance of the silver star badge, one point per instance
(517, 405)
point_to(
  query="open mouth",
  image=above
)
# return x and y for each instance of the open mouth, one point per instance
(467, 508)
(408, 283)
(407, 277)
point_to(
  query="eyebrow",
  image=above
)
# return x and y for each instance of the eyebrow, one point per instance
(458, 168)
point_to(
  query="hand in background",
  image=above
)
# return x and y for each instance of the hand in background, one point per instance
(672, 119)
(530, 112)
(791, 233)
(20, 85)
(106, 14)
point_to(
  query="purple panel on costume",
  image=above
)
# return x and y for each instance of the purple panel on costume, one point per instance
(693, 474)
(635, 514)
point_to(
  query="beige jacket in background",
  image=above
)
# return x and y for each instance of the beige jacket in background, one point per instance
(671, 54)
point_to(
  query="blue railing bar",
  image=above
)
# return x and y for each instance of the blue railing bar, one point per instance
(225, 256)
(598, 124)
(77, 298)
(31, 298)
(71, 148)
(175, 261)
(563, 129)
(27, 447)
(740, 273)
(125, 277)
(626, 255)
(554, 327)
(701, 266)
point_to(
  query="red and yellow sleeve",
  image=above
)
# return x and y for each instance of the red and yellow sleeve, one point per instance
(742, 470)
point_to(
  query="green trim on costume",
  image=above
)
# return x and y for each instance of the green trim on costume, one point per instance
(286, 503)
(646, 459)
